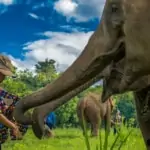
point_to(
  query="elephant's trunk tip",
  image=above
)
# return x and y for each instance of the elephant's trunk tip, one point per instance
(105, 96)
(19, 116)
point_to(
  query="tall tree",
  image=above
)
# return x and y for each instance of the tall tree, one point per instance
(46, 72)
(45, 66)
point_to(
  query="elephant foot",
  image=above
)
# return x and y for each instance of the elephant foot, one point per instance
(94, 134)
(83, 133)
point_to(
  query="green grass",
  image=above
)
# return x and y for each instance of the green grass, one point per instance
(72, 139)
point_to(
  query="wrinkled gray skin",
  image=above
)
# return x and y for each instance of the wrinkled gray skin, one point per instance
(111, 82)
(91, 110)
(122, 20)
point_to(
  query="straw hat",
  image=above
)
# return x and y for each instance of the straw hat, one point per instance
(5, 66)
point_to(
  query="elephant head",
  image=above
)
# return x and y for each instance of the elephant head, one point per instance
(103, 47)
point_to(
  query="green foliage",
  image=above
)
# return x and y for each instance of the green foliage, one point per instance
(126, 105)
(66, 114)
(16, 87)
(28, 78)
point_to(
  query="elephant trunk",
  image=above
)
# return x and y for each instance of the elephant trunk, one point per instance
(40, 112)
(90, 63)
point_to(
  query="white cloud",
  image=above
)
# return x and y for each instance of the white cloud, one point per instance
(73, 28)
(82, 10)
(66, 7)
(22, 65)
(63, 47)
(37, 6)
(35, 16)
(6, 2)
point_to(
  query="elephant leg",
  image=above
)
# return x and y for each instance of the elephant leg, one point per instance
(93, 116)
(107, 118)
(142, 101)
(83, 123)
(91, 129)
(107, 124)
(94, 127)
(84, 127)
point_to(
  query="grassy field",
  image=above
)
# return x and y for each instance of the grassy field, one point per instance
(72, 139)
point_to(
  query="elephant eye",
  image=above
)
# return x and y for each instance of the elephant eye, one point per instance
(114, 8)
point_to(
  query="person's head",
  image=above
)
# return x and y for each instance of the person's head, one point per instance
(118, 112)
(5, 67)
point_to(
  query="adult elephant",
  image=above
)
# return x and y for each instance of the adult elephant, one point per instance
(91, 110)
(123, 22)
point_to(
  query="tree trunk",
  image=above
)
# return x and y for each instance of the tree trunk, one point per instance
(142, 101)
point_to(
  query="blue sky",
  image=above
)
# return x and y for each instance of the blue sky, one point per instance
(32, 30)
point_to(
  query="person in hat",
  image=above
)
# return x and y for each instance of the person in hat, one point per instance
(117, 121)
(5, 70)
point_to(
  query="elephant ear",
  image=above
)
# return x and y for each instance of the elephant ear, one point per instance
(136, 28)
(111, 84)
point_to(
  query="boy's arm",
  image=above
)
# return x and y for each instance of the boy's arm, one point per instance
(6, 122)
(3, 119)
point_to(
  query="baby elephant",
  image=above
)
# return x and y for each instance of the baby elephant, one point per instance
(93, 111)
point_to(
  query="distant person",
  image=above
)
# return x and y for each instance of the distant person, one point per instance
(50, 122)
(116, 122)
